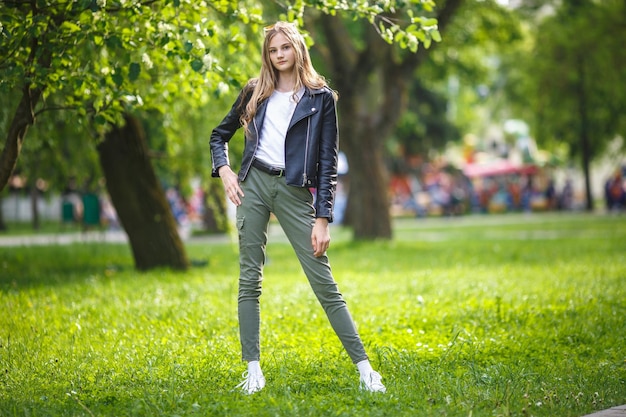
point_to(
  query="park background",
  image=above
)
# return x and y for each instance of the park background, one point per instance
(461, 107)
(463, 110)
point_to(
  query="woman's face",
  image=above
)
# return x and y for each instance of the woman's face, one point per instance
(281, 52)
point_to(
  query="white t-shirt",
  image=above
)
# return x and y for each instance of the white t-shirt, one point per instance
(280, 108)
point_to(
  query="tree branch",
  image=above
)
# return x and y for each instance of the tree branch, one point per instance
(56, 108)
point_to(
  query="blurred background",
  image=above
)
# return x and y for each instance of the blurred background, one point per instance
(462, 107)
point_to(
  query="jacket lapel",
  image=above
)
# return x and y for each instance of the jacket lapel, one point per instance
(305, 107)
(259, 117)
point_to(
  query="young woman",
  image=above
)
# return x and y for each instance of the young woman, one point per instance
(289, 117)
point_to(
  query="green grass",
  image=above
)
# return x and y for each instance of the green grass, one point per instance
(479, 316)
(45, 227)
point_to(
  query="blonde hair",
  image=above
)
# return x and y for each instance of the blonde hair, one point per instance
(264, 85)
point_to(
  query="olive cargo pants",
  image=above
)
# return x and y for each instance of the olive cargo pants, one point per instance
(293, 208)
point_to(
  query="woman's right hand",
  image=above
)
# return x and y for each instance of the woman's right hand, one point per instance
(231, 185)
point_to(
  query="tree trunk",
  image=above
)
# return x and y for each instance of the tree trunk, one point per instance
(3, 225)
(24, 117)
(25, 112)
(139, 200)
(368, 199)
(215, 217)
(584, 132)
(34, 206)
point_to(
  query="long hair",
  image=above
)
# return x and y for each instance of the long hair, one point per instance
(264, 85)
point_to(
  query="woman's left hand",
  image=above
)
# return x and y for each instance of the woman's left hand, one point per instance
(320, 237)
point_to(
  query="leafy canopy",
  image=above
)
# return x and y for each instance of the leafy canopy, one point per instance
(109, 54)
(96, 59)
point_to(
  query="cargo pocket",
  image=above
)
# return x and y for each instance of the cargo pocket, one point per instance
(240, 221)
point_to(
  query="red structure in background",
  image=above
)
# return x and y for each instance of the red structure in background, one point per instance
(497, 168)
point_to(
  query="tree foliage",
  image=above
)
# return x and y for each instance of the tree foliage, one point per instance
(583, 45)
(100, 58)
(90, 61)
(457, 90)
(568, 80)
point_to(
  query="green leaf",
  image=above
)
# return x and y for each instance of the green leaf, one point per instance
(133, 71)
(100, 120)
(118, 79)
(435, 35)
(197, 65)
(114, 42)
(70, 27)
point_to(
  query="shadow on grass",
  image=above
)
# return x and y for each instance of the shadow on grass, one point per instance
(33, 266)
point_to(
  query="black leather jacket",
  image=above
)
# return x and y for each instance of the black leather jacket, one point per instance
(311, 145)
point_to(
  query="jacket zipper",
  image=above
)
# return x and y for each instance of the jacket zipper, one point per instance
(306, 150)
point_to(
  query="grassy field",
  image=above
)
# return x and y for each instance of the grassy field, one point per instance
(516, 315)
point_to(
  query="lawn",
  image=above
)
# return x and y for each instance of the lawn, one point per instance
(512, 315)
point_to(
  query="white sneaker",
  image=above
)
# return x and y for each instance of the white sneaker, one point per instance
(253, 382)
(372, 382)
